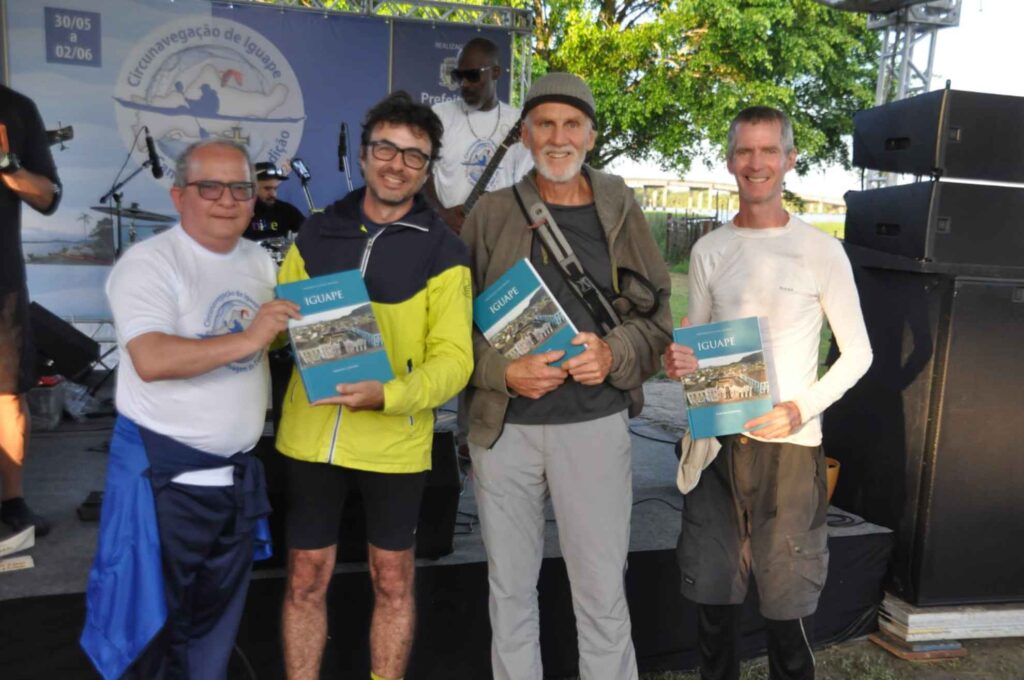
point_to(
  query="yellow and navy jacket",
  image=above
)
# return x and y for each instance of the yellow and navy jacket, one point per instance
(417, 273)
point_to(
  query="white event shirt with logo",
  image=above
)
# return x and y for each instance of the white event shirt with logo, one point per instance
(464, 155)
(171, 284)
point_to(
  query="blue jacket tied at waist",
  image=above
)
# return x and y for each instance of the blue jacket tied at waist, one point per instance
(125, 605)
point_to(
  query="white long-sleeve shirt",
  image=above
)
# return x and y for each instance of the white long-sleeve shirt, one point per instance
(792, 277)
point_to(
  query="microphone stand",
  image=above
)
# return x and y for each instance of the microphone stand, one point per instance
(300, 169)
(343, 156)
(116, 195)
(304, 181)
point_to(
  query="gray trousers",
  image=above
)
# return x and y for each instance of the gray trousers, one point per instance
(587, 470)
(759, 507)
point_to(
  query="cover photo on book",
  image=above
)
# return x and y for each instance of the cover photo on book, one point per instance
(519, 316)
(337, 340)
(731, 385)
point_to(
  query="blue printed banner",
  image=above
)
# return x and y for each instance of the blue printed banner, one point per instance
(182, 71)
(72, 37)
(425, 54)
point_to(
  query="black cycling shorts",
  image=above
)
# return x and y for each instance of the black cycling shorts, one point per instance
(317, 493)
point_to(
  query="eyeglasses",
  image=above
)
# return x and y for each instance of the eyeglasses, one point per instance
(212, 190)
(384, 150)
(473, 75)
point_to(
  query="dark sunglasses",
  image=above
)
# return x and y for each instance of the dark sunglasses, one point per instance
(473, 75)
(212, 190)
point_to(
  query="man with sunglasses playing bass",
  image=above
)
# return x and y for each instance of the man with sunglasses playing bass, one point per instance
(474, 127)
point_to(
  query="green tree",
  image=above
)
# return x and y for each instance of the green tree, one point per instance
(668, 75)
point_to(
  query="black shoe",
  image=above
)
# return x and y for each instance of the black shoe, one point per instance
(16, 514)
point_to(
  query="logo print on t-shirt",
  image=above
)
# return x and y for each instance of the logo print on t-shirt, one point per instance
(231, 312)
(477, 158)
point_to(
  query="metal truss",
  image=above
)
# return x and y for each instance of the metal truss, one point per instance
(518, 22)
(903, 70)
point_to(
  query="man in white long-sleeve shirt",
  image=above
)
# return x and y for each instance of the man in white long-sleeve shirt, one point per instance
(760, 507)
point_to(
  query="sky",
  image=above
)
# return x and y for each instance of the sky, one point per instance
(980, 55)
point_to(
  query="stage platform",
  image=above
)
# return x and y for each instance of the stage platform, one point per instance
(42, 609)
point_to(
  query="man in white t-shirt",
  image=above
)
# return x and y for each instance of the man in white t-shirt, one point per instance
(474, 127)
(761, 505)
(194, 311)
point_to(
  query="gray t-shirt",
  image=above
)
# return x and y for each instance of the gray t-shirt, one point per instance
(572, 402)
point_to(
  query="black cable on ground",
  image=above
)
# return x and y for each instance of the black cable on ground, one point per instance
(245, 662)
(632, 430)
(836, 519)
(658, 500)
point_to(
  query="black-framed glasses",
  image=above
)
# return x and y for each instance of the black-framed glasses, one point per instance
(473, 75)
(212, 190)
(384, 150)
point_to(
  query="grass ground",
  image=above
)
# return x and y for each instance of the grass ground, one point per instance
(1001, 659)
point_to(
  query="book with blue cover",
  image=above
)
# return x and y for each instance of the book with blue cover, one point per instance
(730, 385)
(337, 340)
(518, 315)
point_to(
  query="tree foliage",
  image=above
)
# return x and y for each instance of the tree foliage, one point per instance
(668, 75)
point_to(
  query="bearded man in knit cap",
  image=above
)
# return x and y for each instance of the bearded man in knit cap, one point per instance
(542, 427)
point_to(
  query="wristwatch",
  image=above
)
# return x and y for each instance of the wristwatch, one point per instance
(9, 162)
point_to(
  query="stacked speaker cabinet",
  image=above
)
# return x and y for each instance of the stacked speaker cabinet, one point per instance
(931, 439)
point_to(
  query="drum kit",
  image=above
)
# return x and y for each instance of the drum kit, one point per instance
(277, 247)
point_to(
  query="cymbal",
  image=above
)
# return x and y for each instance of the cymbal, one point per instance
(133, 212)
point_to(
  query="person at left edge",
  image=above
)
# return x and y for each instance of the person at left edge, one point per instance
(372, 436)
(194, 313)
(272, 217)
(27, 175)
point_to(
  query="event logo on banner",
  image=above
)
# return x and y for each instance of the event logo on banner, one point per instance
(209, 78)
(423, 56)
(445, 80)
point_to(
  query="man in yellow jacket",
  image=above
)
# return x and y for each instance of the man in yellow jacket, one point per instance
(375, 437)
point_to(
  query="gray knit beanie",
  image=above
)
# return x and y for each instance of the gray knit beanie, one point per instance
(561, 88)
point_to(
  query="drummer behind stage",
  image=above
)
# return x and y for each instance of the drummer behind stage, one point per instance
(272, 218)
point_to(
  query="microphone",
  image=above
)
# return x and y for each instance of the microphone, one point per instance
(342, 147)
(154, 160)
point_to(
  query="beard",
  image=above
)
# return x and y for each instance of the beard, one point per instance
(393, 197)
(566, 175)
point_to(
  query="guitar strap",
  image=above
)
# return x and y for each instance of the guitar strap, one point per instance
(580, 282)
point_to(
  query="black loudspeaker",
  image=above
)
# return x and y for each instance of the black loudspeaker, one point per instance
(941, 222)
(929, 440)
(436, 528)
(60, 347)
(949, 133)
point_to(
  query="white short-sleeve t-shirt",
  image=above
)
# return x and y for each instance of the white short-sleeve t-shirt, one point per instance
(171, 284)
(470, 140)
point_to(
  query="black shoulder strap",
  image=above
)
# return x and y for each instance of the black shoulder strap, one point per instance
(538, 217)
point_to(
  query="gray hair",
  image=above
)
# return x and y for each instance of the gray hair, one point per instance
(761, 114)
(181, 165)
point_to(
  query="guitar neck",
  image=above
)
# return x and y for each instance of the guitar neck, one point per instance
(492, 166)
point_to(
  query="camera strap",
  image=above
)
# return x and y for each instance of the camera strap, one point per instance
(539, 218)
